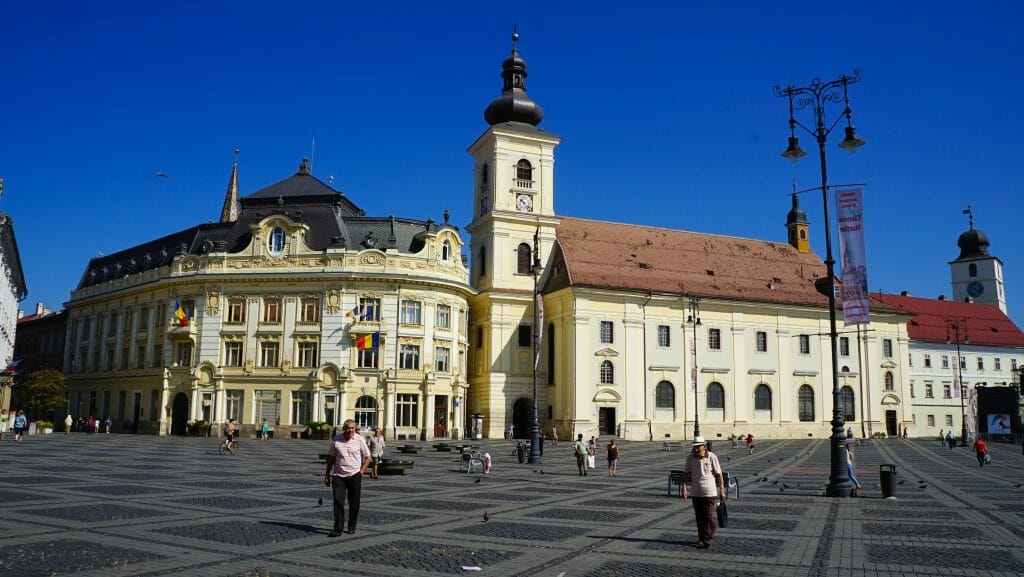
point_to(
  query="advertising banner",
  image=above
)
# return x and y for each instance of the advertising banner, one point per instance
(852, 256)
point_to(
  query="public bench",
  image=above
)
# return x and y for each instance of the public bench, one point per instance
(672, 446)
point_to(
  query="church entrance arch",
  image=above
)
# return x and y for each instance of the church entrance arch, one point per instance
(522, 418)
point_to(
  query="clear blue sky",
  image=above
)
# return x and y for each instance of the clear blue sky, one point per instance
(666, 110)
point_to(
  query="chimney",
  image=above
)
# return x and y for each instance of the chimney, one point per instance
(39, 308)
(904, 293)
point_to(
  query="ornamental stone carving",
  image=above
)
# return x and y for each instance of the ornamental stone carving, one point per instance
(213, 303)
(333, 301)
(371, 259)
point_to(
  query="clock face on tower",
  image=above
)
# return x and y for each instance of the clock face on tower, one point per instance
(524, 203)
(975, 289)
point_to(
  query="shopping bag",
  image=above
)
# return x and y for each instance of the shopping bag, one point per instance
(590, 461)
(723, 513)
(988, 459)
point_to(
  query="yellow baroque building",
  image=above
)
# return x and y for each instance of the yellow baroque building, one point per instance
(274, 298)
(644, 332)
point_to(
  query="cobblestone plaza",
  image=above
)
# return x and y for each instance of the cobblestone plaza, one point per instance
(144, 505)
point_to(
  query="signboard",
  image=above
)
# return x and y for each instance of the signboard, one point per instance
(852, 255)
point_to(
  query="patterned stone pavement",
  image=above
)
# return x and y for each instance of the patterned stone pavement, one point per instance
(153, 506)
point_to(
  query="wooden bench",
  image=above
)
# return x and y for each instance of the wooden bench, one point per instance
(394, 466)
(672, 445)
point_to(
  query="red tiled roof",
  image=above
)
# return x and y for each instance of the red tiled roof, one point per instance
(986, 324)
(644, 258)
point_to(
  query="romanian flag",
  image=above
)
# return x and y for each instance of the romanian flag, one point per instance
(357, 313)
(179, 313)
(370, 341)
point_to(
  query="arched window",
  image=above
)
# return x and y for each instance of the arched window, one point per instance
(665, 396)
(551, 354)
(523, 254)
(483, 173)
(888, 381)
(805, 400)
(275, 243)
(972, 270)
(366, 412)
(762, 398)
(524, 171)
(846, 404)
(446, 250)
(716, 396)
(607, 373)
(481, 267)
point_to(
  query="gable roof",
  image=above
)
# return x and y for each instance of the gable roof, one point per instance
(986, 324)
(618, 256)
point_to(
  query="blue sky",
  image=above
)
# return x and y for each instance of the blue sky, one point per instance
(666, 110)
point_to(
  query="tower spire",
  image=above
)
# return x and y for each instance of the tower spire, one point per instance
(230, 211)
(513, 105)
(797, 224)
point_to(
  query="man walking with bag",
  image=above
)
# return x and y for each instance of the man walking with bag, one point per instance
(347, 460)
(703, 474)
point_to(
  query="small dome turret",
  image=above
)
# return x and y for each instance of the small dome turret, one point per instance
(513, 105)
(796, 214)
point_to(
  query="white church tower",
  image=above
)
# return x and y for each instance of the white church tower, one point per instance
(977, 275)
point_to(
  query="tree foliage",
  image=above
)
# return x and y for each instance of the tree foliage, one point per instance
(45, 392)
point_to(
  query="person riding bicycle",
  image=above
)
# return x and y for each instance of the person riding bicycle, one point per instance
(229, 431)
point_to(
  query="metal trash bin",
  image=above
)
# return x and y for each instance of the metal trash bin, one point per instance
(887, 479)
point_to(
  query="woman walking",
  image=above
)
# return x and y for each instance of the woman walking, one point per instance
(612, 452)
(376, 451)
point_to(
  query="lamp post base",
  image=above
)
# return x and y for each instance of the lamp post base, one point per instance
(839, 483)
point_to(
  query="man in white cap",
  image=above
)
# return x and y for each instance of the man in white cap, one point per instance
(704, 476)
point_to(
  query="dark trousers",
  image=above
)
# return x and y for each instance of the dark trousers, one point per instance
(581, 463)
(350, 488)
(981, 459)
(704, 509)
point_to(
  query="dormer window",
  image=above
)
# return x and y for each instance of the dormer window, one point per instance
(275, 244)
(446, 250)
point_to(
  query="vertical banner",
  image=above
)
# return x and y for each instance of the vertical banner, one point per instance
(853, 257)
(693, 365)
(539, 332)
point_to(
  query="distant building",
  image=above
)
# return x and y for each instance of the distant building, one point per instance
(294, 308)
(12, 292)
(39, 344)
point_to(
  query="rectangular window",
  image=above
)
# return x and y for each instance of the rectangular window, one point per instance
(963, 362)
(947, 391)
(270, 354)
(443, 357)
(301, 407)
(409, 357)
(911, 389)
(945, 361)
(366, 359)
(158, 356)
(407, 410)
(112, 325)
(981, 364)
(143, 318)
(183, 354)
(154, 404)
(307, 357)
(844, 346)
(444, 316)
(910, 360)
(761, 344)
(931, 420)
(663, 336)
(309, 310)
(411, 313)
(715, 339)
(110, 358)
(233, 403)
(949, 420)
(607, 335)
(525, 335)
(96, 360)
(122, 401)
(236, 311)
(140, 356)
(1013, 365)
(998, 364)
(887, 348)
(369, 309)
(233, 354)
(927, 360)
(805, 344)
(271, 310)
(928, 391)
(127, 326)
(124, 359)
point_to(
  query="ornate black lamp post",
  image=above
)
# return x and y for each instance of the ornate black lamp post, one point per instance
(817, 95)
(536, 269)
(956, 331)
(694, 319)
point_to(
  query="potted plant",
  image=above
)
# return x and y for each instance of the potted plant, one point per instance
(318, 430)
(44, 427)
(198, 428)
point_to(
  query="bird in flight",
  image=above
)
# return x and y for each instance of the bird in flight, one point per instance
(161, 174)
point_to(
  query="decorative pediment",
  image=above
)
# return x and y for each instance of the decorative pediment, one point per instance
(890, 399)
(606, 352)
(374, 258)
(888, 364)
(607, 396)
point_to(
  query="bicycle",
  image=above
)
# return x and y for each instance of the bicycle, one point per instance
(228, 447)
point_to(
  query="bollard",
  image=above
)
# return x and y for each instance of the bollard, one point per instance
(887, 479)
(521, 453)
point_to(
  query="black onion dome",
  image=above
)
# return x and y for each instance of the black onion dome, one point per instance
(796, 214)
(973, 244)
(513, 105)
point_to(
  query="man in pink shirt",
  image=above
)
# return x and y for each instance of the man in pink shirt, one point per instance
(347, 459)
